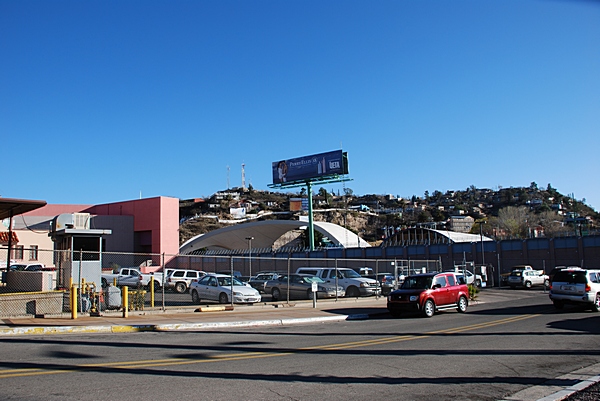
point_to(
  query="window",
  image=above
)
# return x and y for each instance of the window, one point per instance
(18, 252)
(439, 280)
(33, 252)
(451, 280)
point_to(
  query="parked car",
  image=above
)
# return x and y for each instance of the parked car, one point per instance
(353, 283)
(132, 277)
(28, 267)
(389, 282)
(180, 280)
(528, 278)
(475, 279)
(427, 293)
(217, 287)
(576, 286)
(261, 279)
(557, 268)
(300, 287)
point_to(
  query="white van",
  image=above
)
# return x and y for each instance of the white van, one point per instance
(354, 284)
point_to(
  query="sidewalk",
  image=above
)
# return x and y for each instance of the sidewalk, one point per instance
(199, 317)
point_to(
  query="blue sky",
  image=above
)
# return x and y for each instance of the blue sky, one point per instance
(105, 100)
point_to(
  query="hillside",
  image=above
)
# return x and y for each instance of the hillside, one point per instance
(506, 212)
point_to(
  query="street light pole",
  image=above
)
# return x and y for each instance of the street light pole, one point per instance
(249, 239)
(481, 239)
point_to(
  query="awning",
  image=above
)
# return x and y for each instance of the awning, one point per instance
(13, 207)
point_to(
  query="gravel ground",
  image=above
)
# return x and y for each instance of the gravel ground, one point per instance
(591, 393)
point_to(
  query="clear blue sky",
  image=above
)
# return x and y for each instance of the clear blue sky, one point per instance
(102, 101)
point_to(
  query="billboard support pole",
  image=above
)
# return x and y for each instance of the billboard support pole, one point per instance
(311, 233)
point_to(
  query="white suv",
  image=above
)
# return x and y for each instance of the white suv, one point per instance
(180, 280)
(576, 286)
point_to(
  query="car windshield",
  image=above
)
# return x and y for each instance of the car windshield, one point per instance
(18, 267)
(226, 281)
(417, 283)
(349, 274)
(313, 279)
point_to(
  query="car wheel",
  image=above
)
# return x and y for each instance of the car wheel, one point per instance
(596, 305)
(477, 283)
(310, 294)
(546, 283)
(276, 294)
(558, 304)
(528, 284)
(223, 298)
(462, 304)
(352, 292)
(104, 283)
(181, 288)
(428, 308)
(195, 297)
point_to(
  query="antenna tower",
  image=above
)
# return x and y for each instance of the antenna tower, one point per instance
(243, 176)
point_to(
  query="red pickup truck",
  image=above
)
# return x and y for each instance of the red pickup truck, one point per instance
(428, 293)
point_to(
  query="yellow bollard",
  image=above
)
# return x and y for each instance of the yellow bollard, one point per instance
(125, 302)
(152, 292)
(73, 302)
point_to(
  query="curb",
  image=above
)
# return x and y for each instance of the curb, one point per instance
(16, 331)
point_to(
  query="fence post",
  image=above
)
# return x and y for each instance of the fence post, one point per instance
(73, 297)
(164, 281)
(152, 290)
(125, 301)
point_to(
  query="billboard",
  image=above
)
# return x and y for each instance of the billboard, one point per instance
(313, 166)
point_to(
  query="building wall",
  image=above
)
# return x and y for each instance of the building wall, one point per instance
(156, 222)
(139, 226)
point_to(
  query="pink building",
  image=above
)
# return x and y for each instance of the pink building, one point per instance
(138, 226)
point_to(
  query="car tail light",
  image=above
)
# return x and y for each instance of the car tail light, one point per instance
(588, 288)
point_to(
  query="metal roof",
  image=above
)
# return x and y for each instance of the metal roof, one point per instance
(13, 207)
(265, 233)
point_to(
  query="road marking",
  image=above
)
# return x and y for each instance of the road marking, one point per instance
(132, 365)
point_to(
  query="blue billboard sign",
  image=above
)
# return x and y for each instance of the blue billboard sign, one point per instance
(313, 166)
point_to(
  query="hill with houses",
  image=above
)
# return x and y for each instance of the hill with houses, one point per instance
(515, 212)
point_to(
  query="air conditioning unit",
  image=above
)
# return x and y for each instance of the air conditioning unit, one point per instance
(80, 221)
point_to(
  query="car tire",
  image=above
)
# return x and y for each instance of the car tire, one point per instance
(528, 285)
(223, 298)
(596, 305)
(352, 292)
(181, 288)
(478, 283)
(394, 314)
(428, 308)
(195, 297)
(546, 283)
(462, 304)
(275, 294)
(558, 304)
(104, 282)
(310, 294)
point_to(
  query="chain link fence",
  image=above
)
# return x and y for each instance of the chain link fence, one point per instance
(155, 282)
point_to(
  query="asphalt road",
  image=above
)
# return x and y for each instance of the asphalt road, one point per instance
(492, 352)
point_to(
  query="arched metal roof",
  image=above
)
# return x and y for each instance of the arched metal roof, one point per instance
(428, 236)
(265, 233)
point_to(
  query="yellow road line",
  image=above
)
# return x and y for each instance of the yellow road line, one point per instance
(132, 365)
